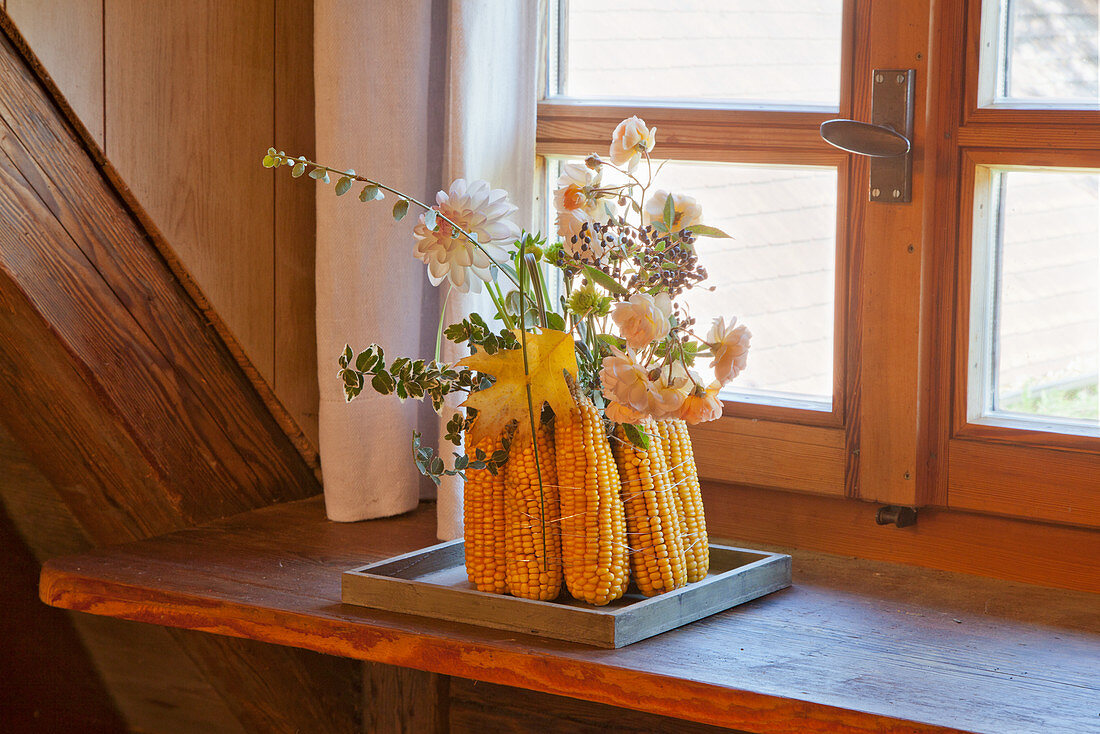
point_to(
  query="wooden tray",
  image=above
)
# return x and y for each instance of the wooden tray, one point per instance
(431, 582)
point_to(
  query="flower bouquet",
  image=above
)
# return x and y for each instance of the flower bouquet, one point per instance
(573, 444)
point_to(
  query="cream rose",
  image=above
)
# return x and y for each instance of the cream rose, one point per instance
(643, 319)
(730, 345)
(625, 381)
(669, 390)
(686, 211)
(630, 139)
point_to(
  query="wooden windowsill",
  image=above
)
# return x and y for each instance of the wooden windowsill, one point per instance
(854, 645)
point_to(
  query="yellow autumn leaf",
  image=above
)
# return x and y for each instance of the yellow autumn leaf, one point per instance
(548, 353)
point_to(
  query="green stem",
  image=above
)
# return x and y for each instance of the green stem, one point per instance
(531, 403)
(440, 215)
(439, 331)
(498, 301)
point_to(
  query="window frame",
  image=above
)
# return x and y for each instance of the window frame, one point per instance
(894, 434)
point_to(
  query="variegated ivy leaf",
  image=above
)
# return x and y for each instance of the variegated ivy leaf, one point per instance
(400, 209)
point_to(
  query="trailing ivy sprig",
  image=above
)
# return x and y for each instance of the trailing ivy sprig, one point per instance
(372, 190)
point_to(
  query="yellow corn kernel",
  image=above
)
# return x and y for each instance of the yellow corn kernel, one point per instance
(483, 519)
(676, 443)
(593, 526)
(532, 516)
(652, 522)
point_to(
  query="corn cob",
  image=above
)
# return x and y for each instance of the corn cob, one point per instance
(483, 518)
(652, 523)
(532, 516)
(593, 527)
(685, 479)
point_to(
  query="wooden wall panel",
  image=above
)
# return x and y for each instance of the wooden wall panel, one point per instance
(189, 111)
(67, 36)
(295, 356)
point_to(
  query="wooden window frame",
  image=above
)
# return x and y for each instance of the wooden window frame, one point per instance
(1011, 470)
(894, 434)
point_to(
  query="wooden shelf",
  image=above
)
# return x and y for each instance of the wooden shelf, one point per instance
(853, 646)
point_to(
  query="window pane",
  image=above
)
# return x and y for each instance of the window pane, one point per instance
(784, 51)
(1048, 51)
(777, 274)
(1045, 315)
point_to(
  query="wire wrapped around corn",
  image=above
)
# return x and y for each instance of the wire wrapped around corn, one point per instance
(678, 454)
(483, 525)
(593, 526)
(532, 542)
(605, 511)
(652, 518)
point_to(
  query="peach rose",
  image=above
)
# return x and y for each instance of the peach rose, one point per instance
(619, 413)
(702, 405)
(576, 200)
(625, 381)
(630, 139)
(685, 210)
(643, 319)
(730, 345)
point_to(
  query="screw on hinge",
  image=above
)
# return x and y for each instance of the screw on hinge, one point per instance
(903, 517)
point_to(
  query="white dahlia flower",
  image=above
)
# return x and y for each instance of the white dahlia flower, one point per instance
(481, 211)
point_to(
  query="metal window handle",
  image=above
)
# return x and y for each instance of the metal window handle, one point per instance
(863, 138)
(887, 138)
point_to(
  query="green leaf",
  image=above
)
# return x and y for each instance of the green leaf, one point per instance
(636, 436)
(365, 361)
(269, 161)
(555, 321)
(343, 186)
(436, 465)
(370, 192)
(670, 212)
(298, 170)
(347, 354)
(703, 230)
(603, 279)
(382, 383)
(318, 173)
(461, 462)
(400, 209)
(430, 218)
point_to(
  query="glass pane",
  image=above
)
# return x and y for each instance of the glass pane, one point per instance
(1046, 315)
(1049, 51)
(777, 274)
(783, 51)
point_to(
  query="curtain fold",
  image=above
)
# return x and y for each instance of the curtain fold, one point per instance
(489, 134)
(416, 94)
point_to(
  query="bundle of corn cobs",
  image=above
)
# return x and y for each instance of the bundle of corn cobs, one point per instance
(606, 512)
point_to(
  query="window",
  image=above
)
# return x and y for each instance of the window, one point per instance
(939, 352)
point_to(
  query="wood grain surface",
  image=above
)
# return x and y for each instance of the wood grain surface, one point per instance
(67, 35)
(852, 646)
(205, 67)
(259, 69)
(998, 547)
(295, 357)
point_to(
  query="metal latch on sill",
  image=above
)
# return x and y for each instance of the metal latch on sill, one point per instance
(887, 138)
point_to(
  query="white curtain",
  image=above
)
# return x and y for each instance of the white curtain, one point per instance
(415, 93)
